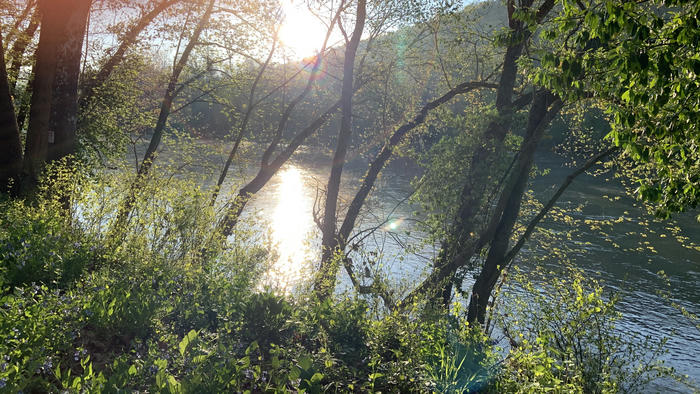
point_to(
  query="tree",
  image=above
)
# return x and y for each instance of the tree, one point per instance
(10, 145)
(60, 23)
(271, 161)
(477, 225)
(640, 59)
(325, 281)
(171, 93)
(53, 107)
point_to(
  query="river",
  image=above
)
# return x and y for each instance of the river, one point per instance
(627, 259)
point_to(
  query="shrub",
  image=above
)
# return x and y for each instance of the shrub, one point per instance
(563, 335)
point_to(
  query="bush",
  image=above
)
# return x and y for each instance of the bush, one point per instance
(564, 337)
(39, 245)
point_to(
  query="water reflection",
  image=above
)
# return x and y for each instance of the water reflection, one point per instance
(291, 224)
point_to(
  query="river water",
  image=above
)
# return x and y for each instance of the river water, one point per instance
(626, 257)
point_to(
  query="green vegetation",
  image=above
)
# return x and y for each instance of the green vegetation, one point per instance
(134, 135)
(158, 314)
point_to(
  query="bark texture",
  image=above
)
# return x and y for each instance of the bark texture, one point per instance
(64, 102)
(54, 16)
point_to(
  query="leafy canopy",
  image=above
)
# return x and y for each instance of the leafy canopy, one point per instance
(642, 59)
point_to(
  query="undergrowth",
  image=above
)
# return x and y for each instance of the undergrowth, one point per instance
(165, 304)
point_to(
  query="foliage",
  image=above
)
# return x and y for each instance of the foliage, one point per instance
(167, 304)
(158, 314)
(641, 59)
(564, 337)
(446, 165)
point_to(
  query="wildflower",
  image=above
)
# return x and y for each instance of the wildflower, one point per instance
(3, 383)
(248, 374)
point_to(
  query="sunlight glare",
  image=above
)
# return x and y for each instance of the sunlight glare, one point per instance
(291, 224)
(301, 32)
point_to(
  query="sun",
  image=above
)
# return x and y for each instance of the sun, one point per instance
(301, 32)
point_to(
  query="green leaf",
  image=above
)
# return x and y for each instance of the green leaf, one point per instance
(199, 359)
(375, 376)
(305, 363)
(174, 385)
(252, 347)
(317, 377)
(191, 336)
(626, 96)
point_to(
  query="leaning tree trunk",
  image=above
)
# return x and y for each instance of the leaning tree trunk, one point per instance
(268, 165)
(539, 118)
(19, 47)
(267, 171)
(471, 197)
(10, 145)
(325, 281)
(159, 129)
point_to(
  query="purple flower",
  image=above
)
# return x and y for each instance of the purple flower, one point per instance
(249, 374)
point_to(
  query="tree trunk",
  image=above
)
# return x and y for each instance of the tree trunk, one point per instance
(325, 282)
(54, 15)
(377, 165)
(24, 103)
(18, 49)
(243, 128)
(539, 118)
(10, 145)
(269, 168)
(471, 196)
(461, 237)
(267, 171)
(64, 103)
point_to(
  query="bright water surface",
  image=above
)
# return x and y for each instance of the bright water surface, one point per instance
(287, 204)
